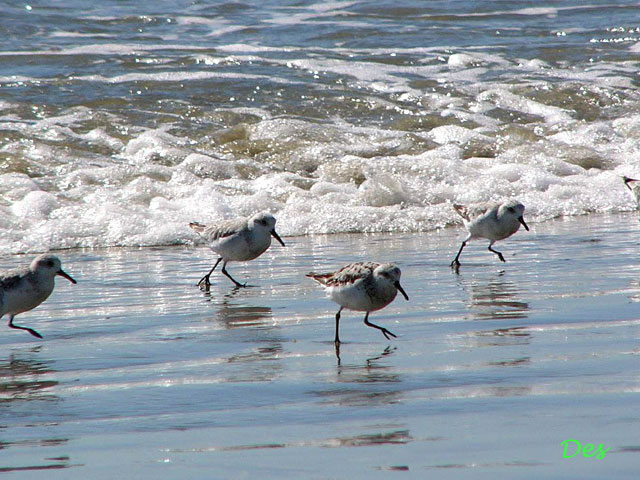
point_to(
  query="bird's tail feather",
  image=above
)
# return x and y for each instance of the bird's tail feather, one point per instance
(198, 227)
(319, 277)
(461, 210)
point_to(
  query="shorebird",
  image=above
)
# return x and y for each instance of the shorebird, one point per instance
(363, 287)
(491, 221)
(238, 240)
(23, 289)
(634, 187)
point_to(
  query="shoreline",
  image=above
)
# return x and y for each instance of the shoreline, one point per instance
(591, 217)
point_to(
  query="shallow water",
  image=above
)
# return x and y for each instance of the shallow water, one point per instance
(140, 373)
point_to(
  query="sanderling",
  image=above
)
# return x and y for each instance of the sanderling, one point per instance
(634, 187)
(363, 287)
(238, 240)
(23, 289)
(491, 221)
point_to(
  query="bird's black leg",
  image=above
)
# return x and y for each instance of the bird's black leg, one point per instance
(226, 274)
(30, 330)
(496, 252)
(456, 261)
(337, 339)
(205, 279)
(384, 331)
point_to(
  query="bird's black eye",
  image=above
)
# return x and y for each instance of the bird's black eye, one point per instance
(511, 210)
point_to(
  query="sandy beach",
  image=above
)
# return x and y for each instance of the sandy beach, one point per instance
(493, 368)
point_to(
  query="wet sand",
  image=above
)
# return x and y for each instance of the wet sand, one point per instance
(141, 375)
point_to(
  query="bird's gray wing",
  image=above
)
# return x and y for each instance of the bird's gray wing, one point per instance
(346, 275)
(220, 230)
(11, 278)
(469, 212)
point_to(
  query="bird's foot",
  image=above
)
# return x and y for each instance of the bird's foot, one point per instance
(386, 333)
(34, 333)
(204, 283)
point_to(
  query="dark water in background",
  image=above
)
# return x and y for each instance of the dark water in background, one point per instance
(120, 122)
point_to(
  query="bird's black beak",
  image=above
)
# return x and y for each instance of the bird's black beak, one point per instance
(628, 180)
(277, 237)
(401, 290)
(521, 220)
(64, 274)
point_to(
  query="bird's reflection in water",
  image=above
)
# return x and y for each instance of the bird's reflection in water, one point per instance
(261, 361)
(24, 385)
(494, 298)
(501, 337)
(235, 316)
(370, 382)
(21, 378)
(372, 365)
(231, 293)
(260, 364)
(233, 313)
(516, 362)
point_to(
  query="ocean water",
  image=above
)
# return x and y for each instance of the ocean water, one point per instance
(123, 121)
(120, 122)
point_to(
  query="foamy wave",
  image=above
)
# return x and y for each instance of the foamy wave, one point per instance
(158, 184)
(370, 146)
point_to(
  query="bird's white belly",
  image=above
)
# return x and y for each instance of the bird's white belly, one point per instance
(238, 249)
(491, 230)
(356, 298)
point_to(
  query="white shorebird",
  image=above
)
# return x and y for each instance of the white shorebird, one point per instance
(363, 287)
(491, 221)
(23, 289)
(238, 240)
(634, 187)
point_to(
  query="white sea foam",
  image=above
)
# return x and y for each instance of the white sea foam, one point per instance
(149, 193)
(403, 141)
